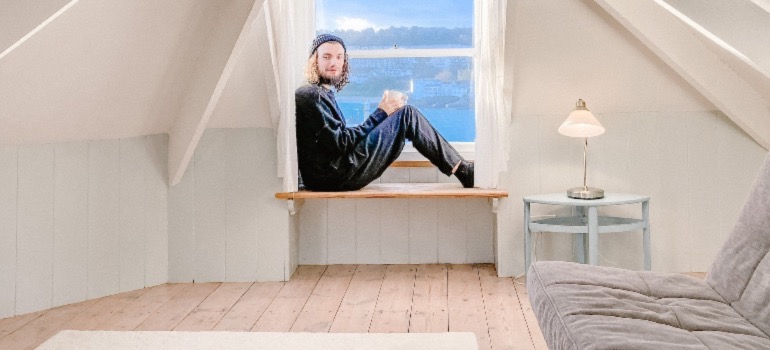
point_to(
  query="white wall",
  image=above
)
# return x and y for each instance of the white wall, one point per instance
(224, 222)
(663, 139)
(81, 220)
(396, 231)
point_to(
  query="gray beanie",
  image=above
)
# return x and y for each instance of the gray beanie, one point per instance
(322, 39)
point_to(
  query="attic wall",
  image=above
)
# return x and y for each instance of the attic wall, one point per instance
(81, 220)
(663, 139)
(224, 223)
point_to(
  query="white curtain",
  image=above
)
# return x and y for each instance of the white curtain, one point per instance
(493, 114)
(290, 28)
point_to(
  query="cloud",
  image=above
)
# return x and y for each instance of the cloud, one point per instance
(349, 23)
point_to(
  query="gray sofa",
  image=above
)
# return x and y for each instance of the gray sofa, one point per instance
(591, 307)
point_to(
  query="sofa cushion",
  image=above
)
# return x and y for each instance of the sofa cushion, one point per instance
(590, 307)
(741, 271)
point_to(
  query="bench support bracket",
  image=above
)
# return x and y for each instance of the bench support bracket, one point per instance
(495, 204)
(294, 205)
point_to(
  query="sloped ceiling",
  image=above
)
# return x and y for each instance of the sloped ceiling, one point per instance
(738, 31)
(110, 69)
(90, 69)
(678, 41)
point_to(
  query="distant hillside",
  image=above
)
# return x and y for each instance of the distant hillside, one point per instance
(405, 37)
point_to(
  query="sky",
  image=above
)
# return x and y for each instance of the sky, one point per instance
(379, 14)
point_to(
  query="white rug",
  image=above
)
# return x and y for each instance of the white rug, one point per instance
(250, 340)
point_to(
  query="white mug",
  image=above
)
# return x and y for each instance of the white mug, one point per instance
(396, 95)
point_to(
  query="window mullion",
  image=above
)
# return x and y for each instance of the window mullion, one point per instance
(400, 53)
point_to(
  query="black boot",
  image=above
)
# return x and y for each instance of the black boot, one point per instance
(464, 173)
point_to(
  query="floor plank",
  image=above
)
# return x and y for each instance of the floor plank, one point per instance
(320, 309)
(283, 311)
(538, 341)
(9, 325)
(43, 327)
(176, 309)
(357, 308)
(394, 305)
(466, 305)
(94, 317)
(345, 298)
(245, 313)
(505, 319)
(206, 315)
(151, 300)
(429, 303)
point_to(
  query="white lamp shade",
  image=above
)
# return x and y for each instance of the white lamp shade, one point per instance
(581, 123)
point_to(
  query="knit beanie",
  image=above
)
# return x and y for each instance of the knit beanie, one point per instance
(325, 38)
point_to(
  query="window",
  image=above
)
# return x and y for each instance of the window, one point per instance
(421, 47)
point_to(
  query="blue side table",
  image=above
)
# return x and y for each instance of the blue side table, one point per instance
(587, 222)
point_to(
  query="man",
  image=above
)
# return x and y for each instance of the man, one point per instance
(334, 157)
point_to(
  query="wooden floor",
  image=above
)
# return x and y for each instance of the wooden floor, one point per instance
(335, 298)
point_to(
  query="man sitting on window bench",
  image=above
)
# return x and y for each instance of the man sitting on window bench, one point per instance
(334, 157)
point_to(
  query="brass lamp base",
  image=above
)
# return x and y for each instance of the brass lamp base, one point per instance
(585, 193)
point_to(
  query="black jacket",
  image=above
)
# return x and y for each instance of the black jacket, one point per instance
(324, 142)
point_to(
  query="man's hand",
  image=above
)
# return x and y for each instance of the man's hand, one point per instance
(392, 101)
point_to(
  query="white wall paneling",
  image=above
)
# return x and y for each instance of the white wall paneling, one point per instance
(669, 236)
(242, 157)
(81, 220)
(423, 231)
(479, 229)
(181, 228)
(313, 232)
(103, 218)
(210, 211)
(8, 190)
(156, 209)
(70, 265)
(341, 231)
(394, 231)
(452, 230)
(276, 229)
(369, 223)
(34, 257)
(132, 214)
(224, 222)
(702, 157)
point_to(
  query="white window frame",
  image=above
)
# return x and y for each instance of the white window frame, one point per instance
(467, 149)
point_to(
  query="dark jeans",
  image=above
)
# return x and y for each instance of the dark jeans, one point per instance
(384, 144)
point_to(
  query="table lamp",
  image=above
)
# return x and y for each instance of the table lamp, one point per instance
(582, 123)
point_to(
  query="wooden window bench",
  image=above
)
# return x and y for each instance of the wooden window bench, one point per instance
(399, 190)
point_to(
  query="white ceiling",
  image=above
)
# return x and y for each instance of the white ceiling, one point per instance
(112, 69)
(106, 69)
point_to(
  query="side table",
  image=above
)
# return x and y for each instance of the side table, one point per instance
(587, 222)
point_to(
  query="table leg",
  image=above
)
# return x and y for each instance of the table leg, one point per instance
(646, 235)
(527, 239)
(593, 236)
(579, 239)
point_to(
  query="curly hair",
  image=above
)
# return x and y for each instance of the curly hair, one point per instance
(313, 76)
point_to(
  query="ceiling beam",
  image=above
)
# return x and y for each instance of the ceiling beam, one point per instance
(226, 40)
(677, 46)
(37, 29)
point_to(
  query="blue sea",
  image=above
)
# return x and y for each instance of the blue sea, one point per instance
(456, 125)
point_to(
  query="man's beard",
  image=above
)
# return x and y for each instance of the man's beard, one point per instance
(333, 81)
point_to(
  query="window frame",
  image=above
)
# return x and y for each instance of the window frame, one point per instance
(466, 149)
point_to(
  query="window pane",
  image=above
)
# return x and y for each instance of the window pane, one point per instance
(440, 87)
(369, 24)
